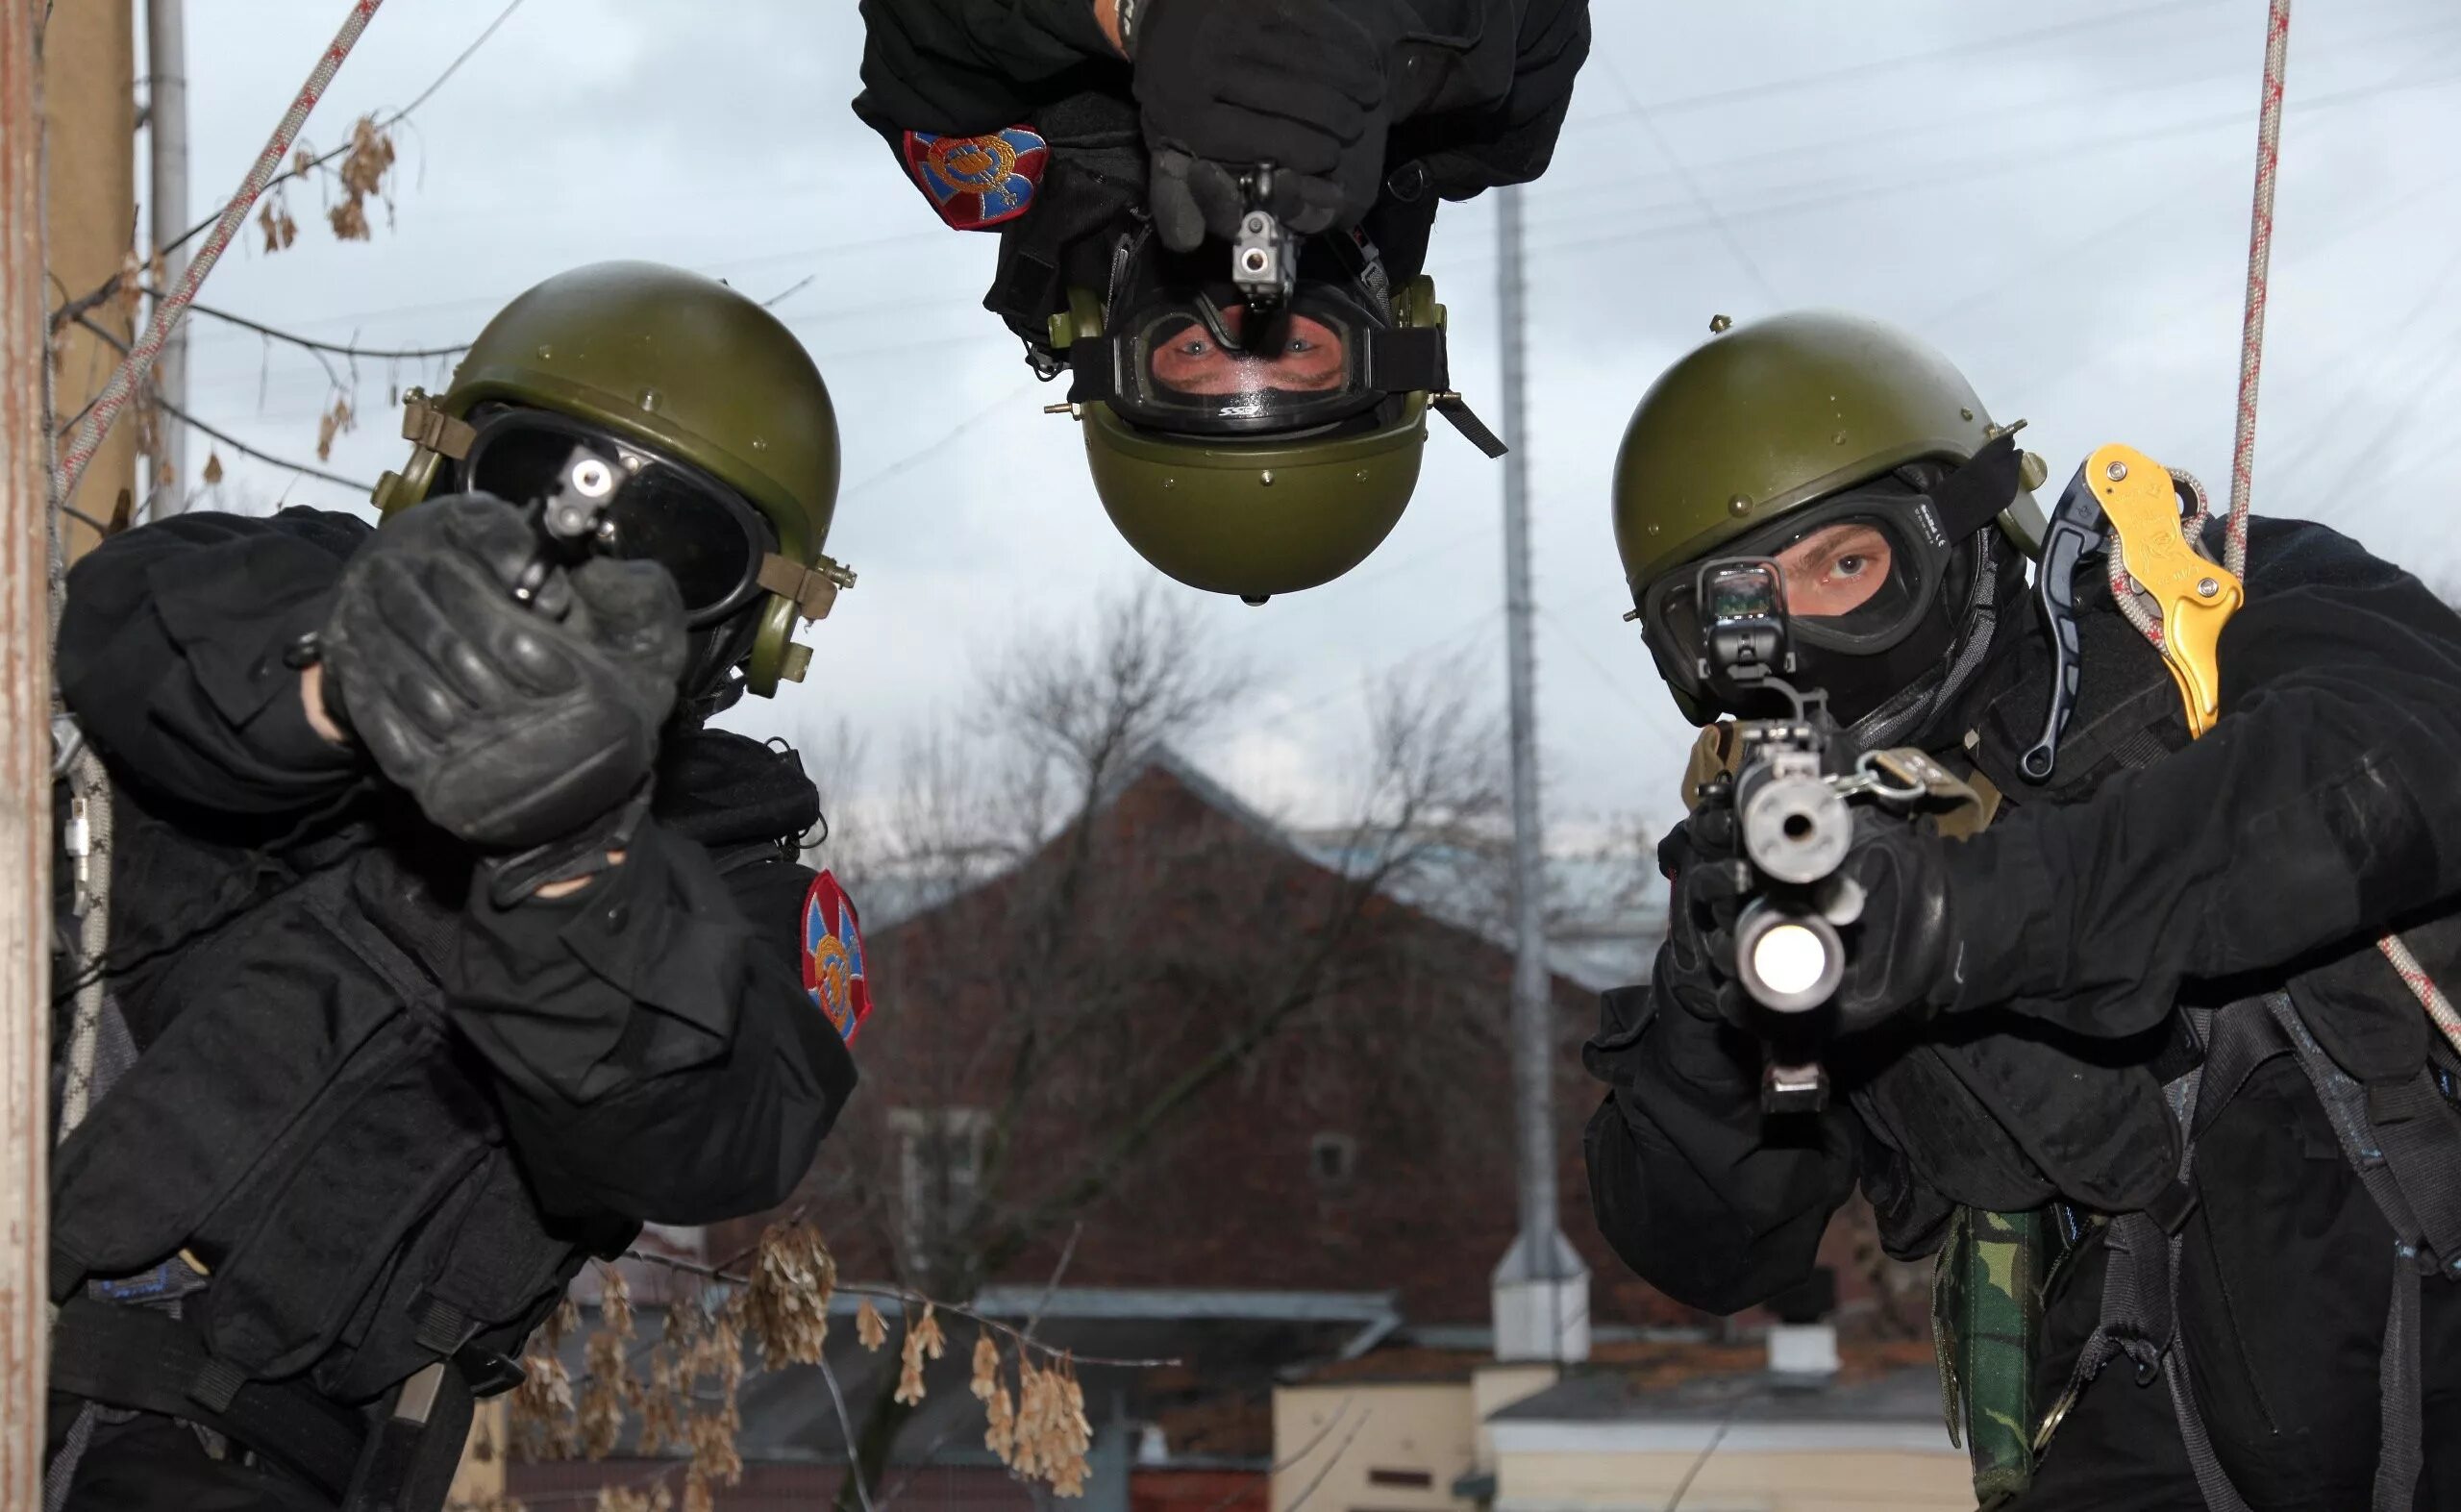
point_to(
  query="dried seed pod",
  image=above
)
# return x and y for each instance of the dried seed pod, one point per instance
(987, 1366)
(606, 1387)
(786, 1305)
(614, 1301)
(869, 1327)
(910, 1372)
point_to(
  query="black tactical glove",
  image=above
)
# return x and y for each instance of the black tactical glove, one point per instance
(1297, 84)
(512, 725)
(1896, 932)
(1686, 1018)
(1897, 948)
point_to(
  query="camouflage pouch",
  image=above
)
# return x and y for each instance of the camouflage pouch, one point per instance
(1986, 1327)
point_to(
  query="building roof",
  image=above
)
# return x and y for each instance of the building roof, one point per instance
(1605, 941)
(1660, 1379)
(1683, 1398)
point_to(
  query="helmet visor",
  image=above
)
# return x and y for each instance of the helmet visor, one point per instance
(1193, 364)
(707, 536)
(1856, 582)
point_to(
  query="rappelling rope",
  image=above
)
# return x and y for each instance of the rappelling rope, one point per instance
(2132, 602)
(85, 777)
(167, 311)
(2252, 333)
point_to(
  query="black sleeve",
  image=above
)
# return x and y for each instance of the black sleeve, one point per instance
(1497, 122)
(966, 66)
(1704, 1198)
(657, 1054)
(2320, 810)
(1487, 80)
(171, 656)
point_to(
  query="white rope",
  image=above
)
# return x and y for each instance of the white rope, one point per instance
(86, 779)
(168, 311)
(2243, 457)
(2252, 333)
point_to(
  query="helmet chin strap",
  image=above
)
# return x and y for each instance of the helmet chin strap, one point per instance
(714, 679)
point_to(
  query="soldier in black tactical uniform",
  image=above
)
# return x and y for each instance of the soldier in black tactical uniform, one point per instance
(2130, 1058)
(448, 945)
(1117, 147)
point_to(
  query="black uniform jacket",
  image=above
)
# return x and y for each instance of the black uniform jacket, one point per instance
(2322, 809)
(1482, 90)
(352, 1065)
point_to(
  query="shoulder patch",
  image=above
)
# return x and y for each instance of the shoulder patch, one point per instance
(834, 957)
(977, 182)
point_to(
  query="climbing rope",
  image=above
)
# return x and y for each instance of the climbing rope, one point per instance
(2252, 331)
(168, 311)
(89, 785)
(2132, 600)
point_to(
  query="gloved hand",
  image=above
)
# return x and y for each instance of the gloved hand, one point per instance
(1709, 883)
(1893, 918)
(1897, 948)
(1699, 1006)
(1297, 84)
(513, 725)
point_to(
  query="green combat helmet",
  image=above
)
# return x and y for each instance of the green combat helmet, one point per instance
(699, 377)
(1240, 470)
(1769, 430)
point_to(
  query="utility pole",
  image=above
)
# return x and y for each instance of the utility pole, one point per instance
(1541, 1288)
(90, 167)
(166, 127)
(25, 766)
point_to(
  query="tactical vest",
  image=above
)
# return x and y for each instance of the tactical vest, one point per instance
(301, 1129)
(2029, 1147)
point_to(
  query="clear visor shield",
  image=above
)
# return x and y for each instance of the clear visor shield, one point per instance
(1195, 365)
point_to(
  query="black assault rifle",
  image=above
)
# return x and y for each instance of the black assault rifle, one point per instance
(1794, 822)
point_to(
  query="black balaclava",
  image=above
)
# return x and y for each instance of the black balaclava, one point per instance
(1897, 697)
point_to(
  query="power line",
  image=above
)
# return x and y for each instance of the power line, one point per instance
(267, 457)
(402, 354)
(391, 121)
(1891, 65)
(1999, 160)
(738, 264)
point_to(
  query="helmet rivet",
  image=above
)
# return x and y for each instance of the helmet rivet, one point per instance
(1963, 413)
(1170, 482)
(1720, 325)
(2116, 471)
(1653, 529)
(2207, 588)
(760, 443)
(651, 398)
(1265, 478)
(1360, 474)
(1839, 438)
(1738, 504)
(546, 353)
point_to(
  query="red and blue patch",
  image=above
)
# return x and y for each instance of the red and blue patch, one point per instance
(833, 957)
(977, 182)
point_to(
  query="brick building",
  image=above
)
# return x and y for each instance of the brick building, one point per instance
(1256, 1087)
(1362, 1144)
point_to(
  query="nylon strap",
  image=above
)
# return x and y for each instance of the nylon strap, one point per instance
(2399, 1147)
(146, 1360)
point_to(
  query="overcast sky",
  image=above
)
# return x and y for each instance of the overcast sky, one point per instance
(2057, 195)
